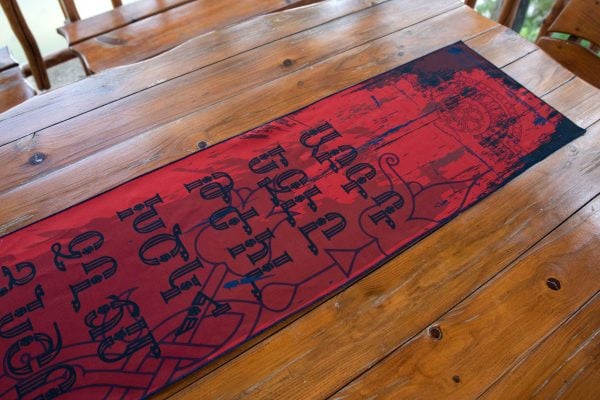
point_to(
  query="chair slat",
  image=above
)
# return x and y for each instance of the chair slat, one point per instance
(574, 57)
(580, 18)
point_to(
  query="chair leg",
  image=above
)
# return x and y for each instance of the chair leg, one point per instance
(549, 19)
(25, 37)
(69, 10)
(508, 12)
(471, 3)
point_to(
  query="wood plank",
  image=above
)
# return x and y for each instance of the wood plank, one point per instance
(156, 34)
(578, 97)
(67, 143)
(554, 74)
(78, 31)
(368, 320)
(585, 384)
(95, 91)
(484, 335)
(237, 114)
(502, 44)
(564, 363)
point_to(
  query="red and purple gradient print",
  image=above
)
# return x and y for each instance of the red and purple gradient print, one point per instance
(135, 288)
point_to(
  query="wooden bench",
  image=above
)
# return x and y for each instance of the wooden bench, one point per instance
(13, 87)
(143, 29)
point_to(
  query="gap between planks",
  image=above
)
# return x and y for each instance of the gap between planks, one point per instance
(478, 290)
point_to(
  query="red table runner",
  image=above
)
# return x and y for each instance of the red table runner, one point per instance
(133, 289)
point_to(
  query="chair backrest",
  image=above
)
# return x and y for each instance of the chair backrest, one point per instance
(507, 11)
(69, 9)
(578, 21)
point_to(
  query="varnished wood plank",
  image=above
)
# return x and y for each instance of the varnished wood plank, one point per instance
(501, 43)
(584, 384)
(578, 97)
(553, 73)
(565, 363)
(156, 34)
(504, 241)
(67, 143)
(76, 32)
(98, 90)
(367, 321)
(483, 336)
(213, 124)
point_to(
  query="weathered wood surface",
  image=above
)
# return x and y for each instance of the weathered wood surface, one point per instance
(67, 143)
(564, 363)
(491, 262)
(158, 33)
(75, 99)
(462, 353)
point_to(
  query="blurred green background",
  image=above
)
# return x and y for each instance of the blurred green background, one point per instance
(529, 23)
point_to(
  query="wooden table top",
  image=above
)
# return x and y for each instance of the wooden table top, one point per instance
(468, 312)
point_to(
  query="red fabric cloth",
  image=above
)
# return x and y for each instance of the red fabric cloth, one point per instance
(135, 288)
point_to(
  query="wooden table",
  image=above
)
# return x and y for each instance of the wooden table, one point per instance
(469, 312)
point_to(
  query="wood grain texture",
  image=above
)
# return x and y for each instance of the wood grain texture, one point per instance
(146, 38)
(80, 30)
(485, 334)
(93, 92)
(561, 365)
(316, 353)
(367, 321)
(212, 124)
(67, 143)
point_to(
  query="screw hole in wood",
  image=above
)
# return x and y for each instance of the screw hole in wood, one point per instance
(37, 158)
(435, 332)
(456, 378)
(202, 144)
(553, 283)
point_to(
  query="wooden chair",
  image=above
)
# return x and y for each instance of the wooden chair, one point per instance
(37, 63)
(23, 33)
(137, 31)
(580, 20)
(13, 87)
